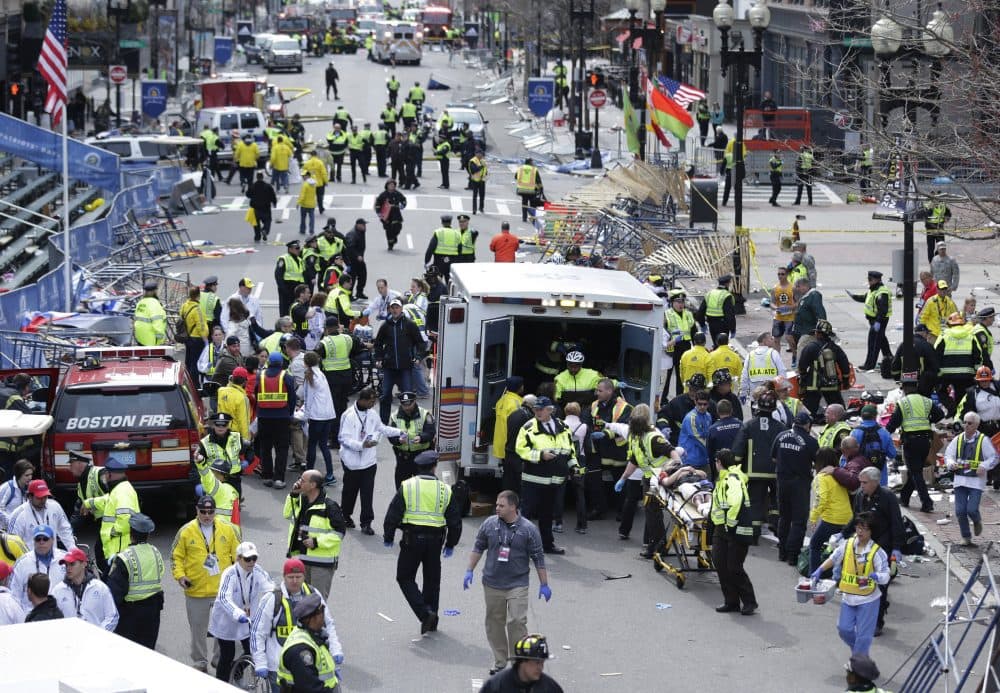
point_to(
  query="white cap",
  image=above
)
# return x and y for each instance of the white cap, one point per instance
(247, 550)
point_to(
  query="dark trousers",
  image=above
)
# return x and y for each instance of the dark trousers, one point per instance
(396, 170)
(329, 86)
(380, 160)
(597, 498)
(320, 194)
(679, 349)
(728, 556)
(392, 378)
(775, 188)
(865, 179)
(716, 326)
(443, 263)
(877, 342)
(227, 655)
(263, 226)
(359, 270)
(478, 195)
(319, 435)
(417, 550)
(274, 436)
(573, 485)
(633, 494)
(805, 181)
(511, 479)
(763, 503)
(338, 167)
(793, 514)
(727, 187)
(702, 131)
(537, 503)
(140, 621)
(916, 447)
(356, 162)
(822, 533)
(193, 346)
(526, 204)
(933, 237)
(655, 531)
(958, 383)
(812, 398)
(246, 177)
(405, 468)
(883, 603)
(445, 166)
(410, 175)
(392, 228)
(355, 481)
(286, 296)
(393, 95)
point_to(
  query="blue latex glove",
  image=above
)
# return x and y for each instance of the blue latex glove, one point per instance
(448, 551)
(815, 575)
(261, 672)
(244, 464)
(665, 430)
(199, 490)
(338, 674)
(598, 435)
(387, 544)
(338, 659)
(935, 399)
(877, 326)
(545, 591)
(898, 555)
(619, 485)
(366, 312)
(467, 582)
(244, 618)
(743, 399)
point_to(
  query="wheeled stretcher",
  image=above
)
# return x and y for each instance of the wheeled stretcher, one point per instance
(686, 545)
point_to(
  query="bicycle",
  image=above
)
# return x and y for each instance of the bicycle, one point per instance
(245, 678)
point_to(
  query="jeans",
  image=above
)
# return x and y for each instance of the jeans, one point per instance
(319, 434)
(823, 531)
(419, 379)
(279, 179)
(392, 378)
(310, 214)
(967, 508)
(856, 626)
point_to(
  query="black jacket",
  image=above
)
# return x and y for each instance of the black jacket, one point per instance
(398, 343)
(515, 420)
(506, 681)
(794, 452)
(46, 611)
(715, 397)
(812, 376)
(438, 289)
(262, 196)
(354, 246)
(927, 364)
(753, 446)
(888, 530)
(331, 75)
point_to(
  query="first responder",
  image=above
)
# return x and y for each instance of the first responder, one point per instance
(959, 355)
(528, 183)
(136, 583)
(478, 171)
(725, 357)
(981, 331)
(444, 247)
(115, 507)
(305, 662)
(289, 272)
(718, 310)
(774, 165)
(213, 483)
(878, 310)
(606, 454)
(442, 152)
(696, 359)
(210, 137)
(526, 672)
(804, 174)
(355, 148)
(836, 428)
(211, 306)
(467, 251)
(330, 243)
(731, 539)
(680, 326)
(336, 142)
(430, 516)
(392, 86)
(150, 319)
(752, 448)
(914, 415)
(338, 302)
(316, 529)
(576, 383)
(936, 215)
(88, 485)
(824, 369)
(12, 448)
(417, 96)
(418, 424)
(335, 350)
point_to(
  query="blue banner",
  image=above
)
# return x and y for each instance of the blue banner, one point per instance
(541, 95)
(223, 50)
(154, 98)
(87, 164)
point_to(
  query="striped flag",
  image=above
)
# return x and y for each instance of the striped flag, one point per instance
(52, 63)
(683, 94)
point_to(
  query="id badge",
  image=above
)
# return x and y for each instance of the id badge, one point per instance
(503, 554)
(212, 565)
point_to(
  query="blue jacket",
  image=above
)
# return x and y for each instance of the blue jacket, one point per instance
(693, 438)
(722, 434)
(885, 442)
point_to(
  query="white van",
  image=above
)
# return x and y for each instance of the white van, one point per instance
(499, 318)
(240, 118)
(400, 40)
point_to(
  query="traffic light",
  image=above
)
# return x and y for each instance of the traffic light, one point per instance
(595, 79)
(15, 89)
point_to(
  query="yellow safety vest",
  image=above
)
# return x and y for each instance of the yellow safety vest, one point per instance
(527, 177)
(328, 540)
(333, 361)
(230, 453)
(969, 467)
(763, 370)
(392, 85)
(468, 243)
(304, 325)
(479, 175)
(413, 428)
(211, 140)
(916, 411)
(640, 453)
(806, 161)
(426, 499)
(849, 572)
(616, 413)
(448, 240)
(724, 512)
(293, 268)
(830, 433)
(327, 249)
(408, 110)
(714, 301)
(208, 301)
(678, 324)
(775, 164)
(150, 322)
(115, 509)
(271, 341)
(145, 571)
(325, 668)
(957, 344)
(871, 298)
(287, 625)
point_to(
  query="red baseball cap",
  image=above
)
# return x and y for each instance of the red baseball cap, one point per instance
(39, 488)
(6, 570)
(240, 372)
(74, 555)
(294, 565)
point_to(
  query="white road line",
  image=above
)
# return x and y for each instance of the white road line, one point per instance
(456, 204)
(236, 204)
(259, 286)
(327, 201)
(502, 209)
(284, 201)
(285, 213)
(367, 202)
(411, 203)
(830, 194)
(277, 239)
(477, 685)
(409, 241)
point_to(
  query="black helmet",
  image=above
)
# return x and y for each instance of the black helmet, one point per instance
(767, 403)
(696, 382)
(533, 646)
(720, 376)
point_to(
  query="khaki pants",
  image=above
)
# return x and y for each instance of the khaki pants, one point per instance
(321, 577)
(198, 611)
(298, 440)
(506, 621)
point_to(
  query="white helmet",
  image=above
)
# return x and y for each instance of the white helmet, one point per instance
(574, 357)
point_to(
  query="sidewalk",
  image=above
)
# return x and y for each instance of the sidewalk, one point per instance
(938, 536)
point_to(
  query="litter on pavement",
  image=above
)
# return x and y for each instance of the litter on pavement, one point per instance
(385, 617)
(661, 606)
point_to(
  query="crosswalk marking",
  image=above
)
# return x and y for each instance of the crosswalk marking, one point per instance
(367, 202)
(409, 241)
(283, 202)
(456, 204)
(503, 209)
(822, 194)
(444, 204)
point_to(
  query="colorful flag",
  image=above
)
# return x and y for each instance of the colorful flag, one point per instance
(666, 114)
(52, 62)
(631, 126)
(683, 94)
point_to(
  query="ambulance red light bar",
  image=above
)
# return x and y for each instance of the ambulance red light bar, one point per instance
(138, 352)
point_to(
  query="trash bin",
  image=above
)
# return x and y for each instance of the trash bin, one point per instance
(704, 202)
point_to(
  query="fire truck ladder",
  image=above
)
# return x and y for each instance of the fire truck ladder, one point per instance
(971, 617)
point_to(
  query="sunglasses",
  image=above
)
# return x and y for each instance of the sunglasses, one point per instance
(43, 538)
(249, 559)
(206, 512)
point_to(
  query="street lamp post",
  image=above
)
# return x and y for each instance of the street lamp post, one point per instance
(890, 43)
(633, 7)
(118, 9)
(742, 60)
(581, 16)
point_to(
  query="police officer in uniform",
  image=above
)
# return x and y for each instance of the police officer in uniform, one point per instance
(718, 309)
(914, 415)
(774, 165)
(430, 516)
(442, 152)
(136, 583)
(88, 485)
(794, 453)
(211, 306)
(336, 351)
(607, 454)
(444, 247)
(150, 318)
(804, 174)
(289, 272)
(392, 86)
(115, 508)
(927, 361)
(336, 141)
(467, 251)
(477, 181)
(305, 662)
(753, 450)
(730, 539)
(418, 423)
(223, 443)
(937, 213)
(681, 327)
(878, 310)
(380, 142)
(960, 354)
(528, 184)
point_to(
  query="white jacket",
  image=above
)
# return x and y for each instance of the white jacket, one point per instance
(317, 328)
(762, 356)
(26, 518)
(355, 427)
(11, 497)
(297, 369)
(11, 611)
(97, 607)
(239, 593)
(241, 330)
(252, 304)
(317, 400)
(29, 564)
(263, 640)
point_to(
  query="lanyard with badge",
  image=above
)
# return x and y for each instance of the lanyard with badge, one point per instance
(248, 598)
(503, 551)
(211, 560)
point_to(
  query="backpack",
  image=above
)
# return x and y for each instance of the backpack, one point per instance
(180, 328)
(913, 541)
(871, 447)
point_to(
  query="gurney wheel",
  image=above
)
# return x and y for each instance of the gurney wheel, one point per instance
(680, 581)
(657, 566)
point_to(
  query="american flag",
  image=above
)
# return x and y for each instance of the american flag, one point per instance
(52, 63)
(683, 94)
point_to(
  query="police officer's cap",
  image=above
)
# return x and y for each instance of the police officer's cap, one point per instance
(427, 458)
(542, 403)
(210, 281)
(360, 220)
(307, 607)
(725, 279)
(332, 321)
(113, 464)
(221, 466)
(445, 218)
(141, 523)
(74, 456)
(220, 418)
(464, 217)
(874, 274)
(407, 397)
(293, 244)
(150, 285)
(985, 313)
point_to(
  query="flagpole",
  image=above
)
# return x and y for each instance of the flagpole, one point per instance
(67, 258)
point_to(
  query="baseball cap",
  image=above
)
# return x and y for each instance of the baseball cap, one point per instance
(247, 550)
(275, 358)
(232, 339)
(942, 284)
(396, 302)
(74, 555)
(293, 565)
(802, 418)
(39, 488)
(43, 531)
(247, 282)
(240, 372)
(205, 503)
(869, 410)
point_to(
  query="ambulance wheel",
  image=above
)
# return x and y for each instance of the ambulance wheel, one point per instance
(300, 69)
(416, 63)
(680, 581)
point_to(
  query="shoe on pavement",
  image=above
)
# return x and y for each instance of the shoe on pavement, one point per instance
(429, 623)
(967, 541)
(368, 531)
(581, 530)
(279, 484)
(349, 523)
(557, 527)
(878, 631)
(748, 610)
(330, 481)
(557, 550)
(269, 483)
(977, 527)
(727, 608)
(622, 536)
(929, 508)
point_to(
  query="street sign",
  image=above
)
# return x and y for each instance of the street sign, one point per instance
(117, 74)
(132, 43)
(598, 97)
(541, 95)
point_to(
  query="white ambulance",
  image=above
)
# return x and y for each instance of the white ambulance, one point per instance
(498, 320)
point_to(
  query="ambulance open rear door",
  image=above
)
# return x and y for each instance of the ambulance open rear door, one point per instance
(638, 364)
(492, 368)
(450, 377)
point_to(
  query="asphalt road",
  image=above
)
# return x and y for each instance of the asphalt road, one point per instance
(630, 634)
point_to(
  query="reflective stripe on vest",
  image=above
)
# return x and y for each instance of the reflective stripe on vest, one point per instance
(849, 572)
(714, 301)
(640, 453)
(829, 435)
(272, 392)
(448, 240)
(327, 249)
(775, 163)
(679, 325)
(325, 669)
(145, 571)
(957, 357)
(616, 413)
(806, 161)
(762, 370)
(230, 453)
(208, 301)
(527, 177)
(872, 296)
(969, 466)
(986, 342)
(282, 631)
(293, 268)
(413, 428)
(426, 500)
(304, 325)
(332, 361)
(916, 411)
